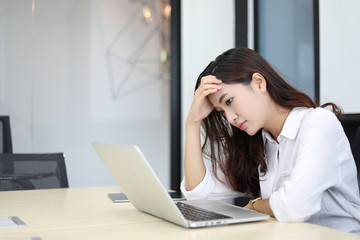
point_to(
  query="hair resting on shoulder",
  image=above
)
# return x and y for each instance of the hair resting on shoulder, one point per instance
(238, 155)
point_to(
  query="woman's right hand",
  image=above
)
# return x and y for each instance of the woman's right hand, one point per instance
(201, 106)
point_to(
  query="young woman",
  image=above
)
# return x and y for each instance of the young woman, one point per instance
(267, 140)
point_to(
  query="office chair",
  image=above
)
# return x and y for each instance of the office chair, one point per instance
(351, 125)
(5, 140)
(32, 171)
(355, 147)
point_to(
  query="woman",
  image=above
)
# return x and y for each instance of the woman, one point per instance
(268, 140)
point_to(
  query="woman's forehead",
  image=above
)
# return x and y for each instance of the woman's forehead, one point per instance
(214, 98)
(226, 91)
(221, 94)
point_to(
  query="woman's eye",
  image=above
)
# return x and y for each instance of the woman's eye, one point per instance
(222, 112)
(227, 102)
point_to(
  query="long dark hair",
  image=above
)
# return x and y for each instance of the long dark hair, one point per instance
(238, 155)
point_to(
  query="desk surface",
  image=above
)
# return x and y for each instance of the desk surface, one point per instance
(88, 213)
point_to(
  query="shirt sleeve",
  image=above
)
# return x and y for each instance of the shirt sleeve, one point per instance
(210, 188)
(316, 169)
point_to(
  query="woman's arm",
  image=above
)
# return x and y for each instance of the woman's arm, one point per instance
(194, 164)
(201, 107)
(262, 206)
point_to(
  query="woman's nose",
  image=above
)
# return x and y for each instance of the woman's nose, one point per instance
(231, 117)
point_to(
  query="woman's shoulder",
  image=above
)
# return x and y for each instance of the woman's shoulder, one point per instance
(321, 117)
(319, 125)
(321, 114)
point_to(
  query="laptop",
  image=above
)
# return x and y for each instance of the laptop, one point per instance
(138, 181)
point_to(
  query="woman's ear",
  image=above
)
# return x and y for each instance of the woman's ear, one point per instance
(258, 82)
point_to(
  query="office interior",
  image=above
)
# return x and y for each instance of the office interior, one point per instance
(123, 71)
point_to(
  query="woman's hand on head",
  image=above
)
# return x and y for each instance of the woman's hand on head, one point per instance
(201, 106)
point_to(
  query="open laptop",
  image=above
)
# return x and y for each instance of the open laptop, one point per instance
(138, 181)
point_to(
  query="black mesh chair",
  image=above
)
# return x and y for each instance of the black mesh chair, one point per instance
(32, 171)
(355, 147)
(5, 132)
(351, 125)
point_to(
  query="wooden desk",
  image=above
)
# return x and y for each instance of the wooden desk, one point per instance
(88, 213)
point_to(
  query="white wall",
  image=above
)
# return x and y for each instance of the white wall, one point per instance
(208, 29)
(339, 53)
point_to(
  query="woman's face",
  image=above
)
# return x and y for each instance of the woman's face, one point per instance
(244, 106)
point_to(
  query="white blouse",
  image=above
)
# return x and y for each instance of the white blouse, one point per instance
(311, 173)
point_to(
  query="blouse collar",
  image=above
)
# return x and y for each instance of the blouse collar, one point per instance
(291, 125)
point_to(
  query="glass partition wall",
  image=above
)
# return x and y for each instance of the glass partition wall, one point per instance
(76, 71)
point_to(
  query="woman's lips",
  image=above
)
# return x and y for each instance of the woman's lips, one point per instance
(242, 125)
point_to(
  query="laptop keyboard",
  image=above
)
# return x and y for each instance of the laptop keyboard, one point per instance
(196, 214)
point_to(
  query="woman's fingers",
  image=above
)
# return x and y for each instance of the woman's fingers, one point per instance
(209, 80)
(209, 84)
(201, 106)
